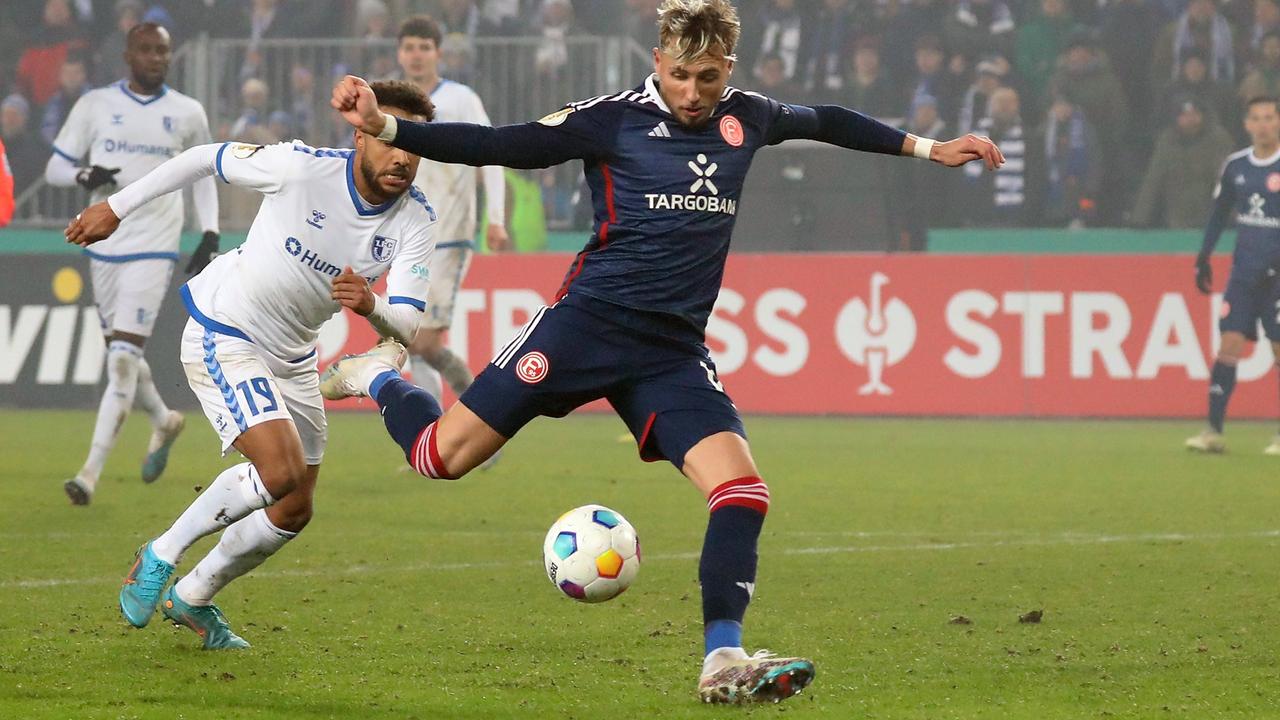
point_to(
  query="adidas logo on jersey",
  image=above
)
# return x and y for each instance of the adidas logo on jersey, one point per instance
(660, 130)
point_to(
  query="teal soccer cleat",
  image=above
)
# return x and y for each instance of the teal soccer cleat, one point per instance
(207, 620)
(729, 675)
(142, 586)
(158, 448)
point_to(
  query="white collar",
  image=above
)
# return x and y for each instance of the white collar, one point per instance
(651, 92)
(1263, 162)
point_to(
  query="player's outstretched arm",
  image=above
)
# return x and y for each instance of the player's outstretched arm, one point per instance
(851, 129)
(525, 146)
(99, 221)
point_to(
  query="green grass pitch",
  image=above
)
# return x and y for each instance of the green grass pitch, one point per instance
(1158, 573)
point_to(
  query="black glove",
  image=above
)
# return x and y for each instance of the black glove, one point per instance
(92, 178)
(1204, 275)
(205, 252)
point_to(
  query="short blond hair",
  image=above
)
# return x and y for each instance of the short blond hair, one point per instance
(689, 29)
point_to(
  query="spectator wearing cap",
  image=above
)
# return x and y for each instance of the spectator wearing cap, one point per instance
(1264, 77)
(981, 27)
(931, 77)
(1177, 191)
(1072, 168)
(1039, 42)
(73, 81)
(1201, 27)
(867, 88)
(990, 77)
(1217, 99)
(1085, 79)
(27, 151)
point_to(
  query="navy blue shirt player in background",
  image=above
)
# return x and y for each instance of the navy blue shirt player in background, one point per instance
(1249, 192)
(665, 162)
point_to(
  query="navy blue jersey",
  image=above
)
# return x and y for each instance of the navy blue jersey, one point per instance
(665, 197)
(1249, 193)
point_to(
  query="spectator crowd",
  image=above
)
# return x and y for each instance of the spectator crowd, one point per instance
(1109, 112)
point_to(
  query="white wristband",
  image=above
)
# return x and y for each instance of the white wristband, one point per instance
(924, 147)
(389, 130)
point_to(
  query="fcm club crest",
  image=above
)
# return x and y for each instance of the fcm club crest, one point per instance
(877, 336)
(383, 248)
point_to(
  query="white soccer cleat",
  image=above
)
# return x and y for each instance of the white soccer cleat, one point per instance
(350, 376)
(1274, 447)
(1207, 442)
(729, 675)
(158, 449)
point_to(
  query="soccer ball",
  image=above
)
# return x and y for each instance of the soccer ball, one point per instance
(591, 554)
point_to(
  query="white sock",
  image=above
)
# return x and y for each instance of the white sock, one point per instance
(148, 397)
(235, 493)
(243, 546)
(720, 657)
(122, 384)
(426, 377)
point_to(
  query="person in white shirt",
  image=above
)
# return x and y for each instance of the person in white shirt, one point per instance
(113, 136)
(452, 189)
(331, 224)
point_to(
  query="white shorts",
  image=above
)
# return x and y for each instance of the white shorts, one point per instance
(239, 386)
(129, 294)
(448, 265)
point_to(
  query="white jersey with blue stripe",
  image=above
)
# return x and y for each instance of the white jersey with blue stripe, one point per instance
(274, 290)
(113, 127)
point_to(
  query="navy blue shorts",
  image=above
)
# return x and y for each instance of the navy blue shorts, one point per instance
(664, 387)
(1252, 294)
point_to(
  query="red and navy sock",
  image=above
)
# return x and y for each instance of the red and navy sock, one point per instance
(727, 569)
(409, 412)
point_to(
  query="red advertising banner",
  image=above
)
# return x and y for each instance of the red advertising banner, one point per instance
(1026, 335)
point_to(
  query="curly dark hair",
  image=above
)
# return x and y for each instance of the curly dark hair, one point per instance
(404, 96)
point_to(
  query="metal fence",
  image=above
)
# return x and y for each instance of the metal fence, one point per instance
(519, 79)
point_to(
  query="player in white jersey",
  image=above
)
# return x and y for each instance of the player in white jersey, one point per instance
(331, 224)
(113, 136)
(452, 189)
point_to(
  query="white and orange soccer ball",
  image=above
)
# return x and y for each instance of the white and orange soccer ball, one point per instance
(591, 554)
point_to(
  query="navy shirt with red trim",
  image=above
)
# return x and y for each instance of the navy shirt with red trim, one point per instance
(664, 196)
